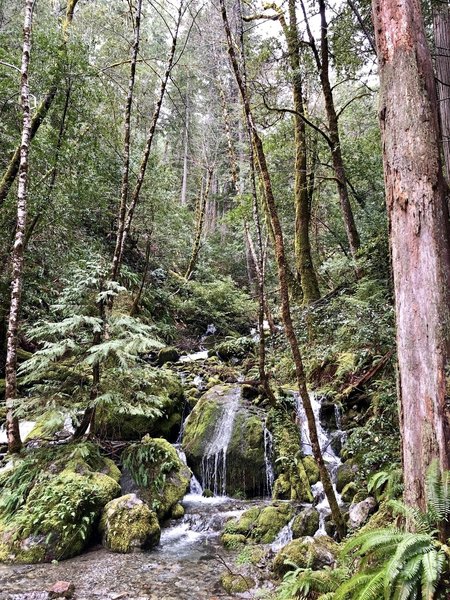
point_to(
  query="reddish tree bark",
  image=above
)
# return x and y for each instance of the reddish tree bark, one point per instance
(441, 26)
(416, 198)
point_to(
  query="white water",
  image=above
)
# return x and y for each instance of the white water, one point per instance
(202, 355)
(268, 460)
(214, 462)
(25, 427)
(284, 537)
(332, 460)
(195, 489)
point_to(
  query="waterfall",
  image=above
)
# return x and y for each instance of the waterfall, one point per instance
(284, 537)
(194, 485)
(268, 460)
(330, 457)
(214, 462)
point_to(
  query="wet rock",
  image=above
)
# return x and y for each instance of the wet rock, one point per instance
(168, 354)
(245, 465)
(311, 468)
(235, 348)
(360, 512)
(346, 473)
(160, 477)
(349, 491)
(177, 511)
(58, 516)
(62, 589)
(233, 540)
(234, 583)
(128, 524)
(316, 553)
(113, 423)
(306, 523)
(260, 525)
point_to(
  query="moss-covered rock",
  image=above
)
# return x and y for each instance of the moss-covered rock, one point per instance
(177, 511)
(306, 523)
(346, 473)
(128, 524)
(292, 482)
(260, 525)
(234, 583)
(52, 501)
(49, 425)
(349, 491)
(160, 476)
(155, 388)
(233, 348)
(311, 469)
(233, 540)
(168, 354)
(314, 553)
(245, 465)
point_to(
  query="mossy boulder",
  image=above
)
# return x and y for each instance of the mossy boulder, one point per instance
(306, 552)
(168, 354)
(311, 469)
(349, 491)
(233, 540)
(157, 402)
(345, 474)
(128, 524)
(60, 501)
(259, 525)
(234, 583)
(306, 523)
(52, 424)
(177, 511)
(245, 465)
(233, 348)
(161, 479)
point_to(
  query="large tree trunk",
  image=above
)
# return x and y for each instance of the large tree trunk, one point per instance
(441, 26)
(282, 277)
(12, 423)
(12, 169)
(416, 197)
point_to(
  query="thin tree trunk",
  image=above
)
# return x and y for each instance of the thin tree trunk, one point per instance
(282, 276)
(183, 200)
(12, 423)
(323, 66)
(137, 300)
(148, 146)
(441, 26)
(201, 209)
(12, 169)
(416, 198)
(124, 191)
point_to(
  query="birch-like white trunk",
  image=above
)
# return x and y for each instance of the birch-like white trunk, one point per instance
(17, 259)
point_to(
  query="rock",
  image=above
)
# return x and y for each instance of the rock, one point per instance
(177, 511)
(359, 513)
(306, 523)
(311, 469)
(336, 438)
(330, 527)
(62, 589)
(260, 525)
(233, 540)
(113, 423)
(67, 492)
(349, 492)
(128, 524)
(245, 465)
(168, 354)
(160, 477)
(234, 583)
(52, 424)
(327, 415)
(235, 348)
(315, 553)
(207, 493)
(346, 473)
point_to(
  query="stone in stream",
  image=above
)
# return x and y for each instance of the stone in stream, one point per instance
(257, 525)
(224, 443)
(306, 523)
(61, 589)
(128, 524)
(312, 552)
(360, 512)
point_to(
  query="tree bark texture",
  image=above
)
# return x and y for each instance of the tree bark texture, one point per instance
(416, 198)
(282, 276)
(12, 423)
(12, 169)
(441, 26)
(126, 142)
(201, 212)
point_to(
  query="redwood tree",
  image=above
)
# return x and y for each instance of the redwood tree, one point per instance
(416, 198)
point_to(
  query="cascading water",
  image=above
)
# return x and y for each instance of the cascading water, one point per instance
(214, 463)
(268, 460)
(330, 457)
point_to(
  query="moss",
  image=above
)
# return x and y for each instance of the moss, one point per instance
(47, 425)
(260, 525)
(306, 552)
(177, 511)
(306, 523)
(163, 479)
(311, 469)
(233, 540)
(200, 425)
(168, 354)
(238, 348)
(234, 583)
(127, 524)
(349, 491)
(346, 473)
